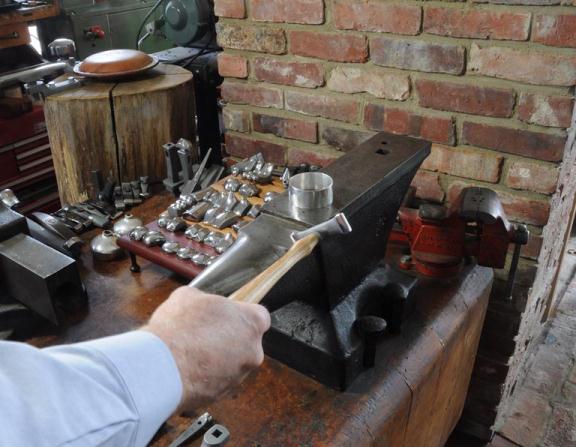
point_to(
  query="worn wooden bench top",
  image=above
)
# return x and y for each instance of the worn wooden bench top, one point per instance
(413, 397)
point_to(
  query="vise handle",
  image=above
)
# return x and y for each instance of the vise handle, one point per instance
(256, 289)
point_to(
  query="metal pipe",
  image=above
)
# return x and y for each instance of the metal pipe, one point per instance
(33, 73)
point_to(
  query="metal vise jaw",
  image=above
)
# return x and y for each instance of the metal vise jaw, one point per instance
(43, 279)
(316, 307)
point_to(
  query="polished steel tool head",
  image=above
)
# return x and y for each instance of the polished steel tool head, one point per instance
(337, 225)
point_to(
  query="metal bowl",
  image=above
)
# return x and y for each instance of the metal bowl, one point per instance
(104, 247)
(125, 225)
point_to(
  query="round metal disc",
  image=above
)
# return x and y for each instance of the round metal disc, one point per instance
(182, 21)
(115, 64)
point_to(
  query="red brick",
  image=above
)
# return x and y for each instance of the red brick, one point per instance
(561, 431)
(532, 176)
(234, 9)
(252, 94)
(332, 47)
(477, 23)
(528, 420)
(286, 127)
(245, 147)
(514, 141)
(331, 107)
(427, 186)
(232, 66)
(525, 2)
(377, 16)
(550, 366)
(288, 11)
(462, 162)
(316, 156)
(344, 139)
(378, 83)
(551, 111)
(528, 2)
(238, 120)
(569, 393)
(529, 67)
(465, 98)
(557, 31)
(518, 208)
(404, 122)
(244, 37)
(532, 249)
(499, 441)
(417, 55)
(300, 74)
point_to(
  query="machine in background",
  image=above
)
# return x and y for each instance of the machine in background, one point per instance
(99, 26)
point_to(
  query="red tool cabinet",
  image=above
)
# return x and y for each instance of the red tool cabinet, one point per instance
(26, 162)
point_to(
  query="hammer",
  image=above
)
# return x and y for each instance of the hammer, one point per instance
(304, 242)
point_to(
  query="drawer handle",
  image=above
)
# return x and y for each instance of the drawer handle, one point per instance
(12, 35)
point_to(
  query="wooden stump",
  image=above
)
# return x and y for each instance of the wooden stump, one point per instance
(118, 128)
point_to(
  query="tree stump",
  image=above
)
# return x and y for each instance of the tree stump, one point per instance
(118, 128)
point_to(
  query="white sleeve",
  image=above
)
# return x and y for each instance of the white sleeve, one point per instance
(114, 391)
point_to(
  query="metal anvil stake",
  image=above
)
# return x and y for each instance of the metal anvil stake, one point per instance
(319, 308)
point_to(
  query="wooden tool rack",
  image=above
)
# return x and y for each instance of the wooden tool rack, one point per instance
(187, 268)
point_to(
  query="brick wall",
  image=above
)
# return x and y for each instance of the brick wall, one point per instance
(490, 82)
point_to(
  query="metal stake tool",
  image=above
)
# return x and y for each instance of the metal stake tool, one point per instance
(255, 290)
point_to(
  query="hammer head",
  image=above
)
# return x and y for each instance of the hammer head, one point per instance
(337, 225)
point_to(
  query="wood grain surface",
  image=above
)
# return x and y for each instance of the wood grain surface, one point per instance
(30, 14)
(118, 128)
(81, 131)
(151, 111)
(14, 34)
(412, 397)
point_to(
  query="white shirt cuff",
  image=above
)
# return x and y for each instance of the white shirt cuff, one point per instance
(150, 375)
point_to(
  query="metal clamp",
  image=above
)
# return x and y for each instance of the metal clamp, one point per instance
(41, 88)
(521, 237)
(197, 427)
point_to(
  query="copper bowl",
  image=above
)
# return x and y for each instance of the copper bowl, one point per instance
(115, 64)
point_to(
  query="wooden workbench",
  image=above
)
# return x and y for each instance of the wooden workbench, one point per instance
(30, 14)
(413, 397)
(16, 21)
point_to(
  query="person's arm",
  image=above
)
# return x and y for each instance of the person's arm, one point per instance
(118, 390)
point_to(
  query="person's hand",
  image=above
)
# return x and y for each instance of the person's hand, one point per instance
(216, 342)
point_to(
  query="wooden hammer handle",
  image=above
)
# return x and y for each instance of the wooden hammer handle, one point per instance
(257, 288)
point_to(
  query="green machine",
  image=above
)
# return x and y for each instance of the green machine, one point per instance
(151, 25)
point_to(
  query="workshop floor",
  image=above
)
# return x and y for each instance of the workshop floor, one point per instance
(544, 412)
